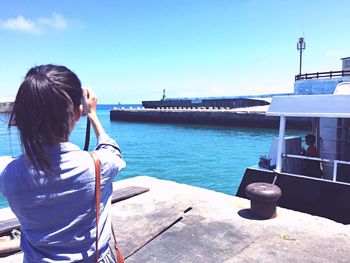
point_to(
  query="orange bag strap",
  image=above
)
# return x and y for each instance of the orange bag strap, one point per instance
(97, 195)
(120, 258)
(97, 163)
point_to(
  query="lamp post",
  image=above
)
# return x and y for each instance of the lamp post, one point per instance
(301, 48)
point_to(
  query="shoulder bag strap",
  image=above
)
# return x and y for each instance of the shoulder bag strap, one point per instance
(120, 258)
(97, 195)
(119, 255)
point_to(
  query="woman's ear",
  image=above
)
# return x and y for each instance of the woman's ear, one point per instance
(78, 112)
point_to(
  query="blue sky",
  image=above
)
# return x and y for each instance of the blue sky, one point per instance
(130, 50)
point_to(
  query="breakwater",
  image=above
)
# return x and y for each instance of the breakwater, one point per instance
(5, 106)
(239, 117)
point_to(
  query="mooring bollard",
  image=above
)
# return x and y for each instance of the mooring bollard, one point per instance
(263, 199)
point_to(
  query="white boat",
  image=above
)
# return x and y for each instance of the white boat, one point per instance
(327, 196)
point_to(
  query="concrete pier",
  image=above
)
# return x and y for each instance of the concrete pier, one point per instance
(240, 117)
(179, 223)
(6, 104)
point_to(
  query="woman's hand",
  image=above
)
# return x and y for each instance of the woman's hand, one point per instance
(89, 109)
(89, 102)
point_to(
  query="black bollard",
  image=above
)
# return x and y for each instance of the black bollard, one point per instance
(263, 199)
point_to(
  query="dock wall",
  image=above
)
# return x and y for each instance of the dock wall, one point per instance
(317, 86)
(208, 117)
(5, 107)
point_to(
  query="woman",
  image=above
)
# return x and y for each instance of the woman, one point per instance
(51, 186)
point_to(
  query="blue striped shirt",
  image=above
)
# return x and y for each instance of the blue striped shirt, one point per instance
(57, 212)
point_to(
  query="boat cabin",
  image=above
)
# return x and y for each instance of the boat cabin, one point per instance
(330, 116)
(326, 194)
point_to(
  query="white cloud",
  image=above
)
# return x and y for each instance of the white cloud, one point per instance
(216, 91)
(19, 23)
(187, 94)
(331, 53)
(55, 21)
(37, 26)
(213, 91)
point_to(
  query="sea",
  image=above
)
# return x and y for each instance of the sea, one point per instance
(211, 157)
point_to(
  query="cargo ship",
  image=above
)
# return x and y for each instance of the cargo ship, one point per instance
(206, 103)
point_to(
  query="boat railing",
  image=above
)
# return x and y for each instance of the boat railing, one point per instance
(328, 74)
(335, 162)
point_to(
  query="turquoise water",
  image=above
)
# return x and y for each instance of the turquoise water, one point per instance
(211, 157)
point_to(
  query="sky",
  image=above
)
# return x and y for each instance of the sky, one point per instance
(130, 50)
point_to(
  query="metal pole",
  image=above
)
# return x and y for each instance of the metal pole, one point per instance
(301, 48)
(301, 58)
(280, 143)
(335, 170)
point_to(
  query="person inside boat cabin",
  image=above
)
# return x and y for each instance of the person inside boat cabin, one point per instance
(311, 167)
(311, 150)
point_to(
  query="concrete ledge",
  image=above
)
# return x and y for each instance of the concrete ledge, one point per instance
(158, 226)
(219, 228)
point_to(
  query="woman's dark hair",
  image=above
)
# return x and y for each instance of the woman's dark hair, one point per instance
(44, 110)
